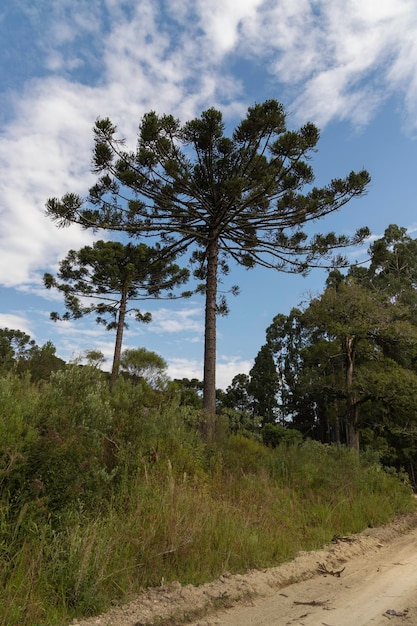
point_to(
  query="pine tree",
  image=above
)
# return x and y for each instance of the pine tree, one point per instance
(236, 198)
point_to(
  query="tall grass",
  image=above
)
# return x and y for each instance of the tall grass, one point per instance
(155, 502)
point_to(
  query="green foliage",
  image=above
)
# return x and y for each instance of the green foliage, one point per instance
(275, 434)
(19, 353)
(237, 395)
(188, 391)
(346, 362)
(64, 467)
(41, 363)
(14, 345)
(143, 363)
(19, 401)
(107, 270)
(95, 358)
(264, 385)
(393, 267)
(240, 421)
(243, 454)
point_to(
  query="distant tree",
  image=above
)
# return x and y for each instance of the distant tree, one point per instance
(21, 353)
(393, 271)
(351, 324)
(236, 404)
(42, 362)
(143, 363)
(285, 338)
(14, 345)
(341, 358)
(190, 383)
(275, 434)
(106, 277)
(264, 385)
(237, 395)
(189, 390)
(233, 198)
(393, 266)
(95, 358)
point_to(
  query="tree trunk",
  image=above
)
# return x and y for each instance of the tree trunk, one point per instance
(209, 389)
(336, 423)
(352, 436)
(119, 339)
(352, 409)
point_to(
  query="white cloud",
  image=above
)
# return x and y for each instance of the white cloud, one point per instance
(339, 59)
(189, 319)
(226, 369)
(222, 20)
(185, 368)
(228, 366)
(16, 322)
(44, 152)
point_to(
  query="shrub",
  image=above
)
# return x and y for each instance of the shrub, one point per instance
(274, 434)
(244, 454)
(66, 465)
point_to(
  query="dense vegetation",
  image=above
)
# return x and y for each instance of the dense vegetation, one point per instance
(343, 368)
(83, 467)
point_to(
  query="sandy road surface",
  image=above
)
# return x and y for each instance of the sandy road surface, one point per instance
(377, 587)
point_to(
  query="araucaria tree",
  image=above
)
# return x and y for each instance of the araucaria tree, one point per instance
(225, 198)
(107, 277)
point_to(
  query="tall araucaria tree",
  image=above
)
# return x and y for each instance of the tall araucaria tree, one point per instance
(224, 198)
(106, 277)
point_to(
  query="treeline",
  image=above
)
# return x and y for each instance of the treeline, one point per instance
(343, 368)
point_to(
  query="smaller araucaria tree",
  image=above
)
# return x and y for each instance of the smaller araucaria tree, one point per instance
(106, 277)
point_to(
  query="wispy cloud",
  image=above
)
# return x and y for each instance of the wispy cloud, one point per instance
(189, 319)
(339, 59)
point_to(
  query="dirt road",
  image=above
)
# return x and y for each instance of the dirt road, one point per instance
(378, 588)
(368, 579)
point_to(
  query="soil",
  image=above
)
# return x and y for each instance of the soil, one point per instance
(365, 579)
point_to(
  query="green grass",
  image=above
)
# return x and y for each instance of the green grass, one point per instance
(164, 506)
(178, 528)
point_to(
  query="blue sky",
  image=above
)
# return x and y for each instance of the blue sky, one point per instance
(350, 66)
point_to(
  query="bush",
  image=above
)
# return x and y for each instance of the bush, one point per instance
(243, 454)
(66, 465)
(275, 434)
